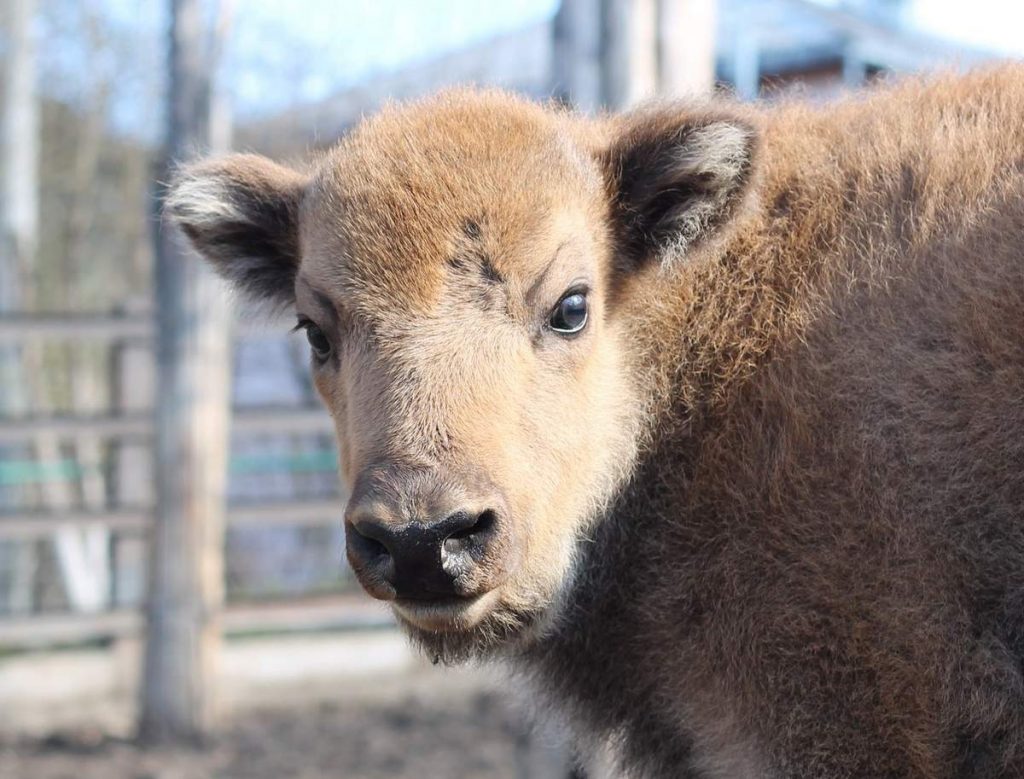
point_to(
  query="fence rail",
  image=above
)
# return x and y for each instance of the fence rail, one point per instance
(286, 512)
(21, 327)
(26, 525)
(285, 419)
(307, 614)
(17, 328)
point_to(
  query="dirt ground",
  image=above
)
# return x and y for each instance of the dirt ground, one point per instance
(419, 735)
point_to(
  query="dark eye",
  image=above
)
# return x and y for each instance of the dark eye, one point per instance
(317, 340)
(570, 315)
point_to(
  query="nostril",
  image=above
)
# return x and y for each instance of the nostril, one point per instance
(365, 543)
(368, 547)
(472, 533)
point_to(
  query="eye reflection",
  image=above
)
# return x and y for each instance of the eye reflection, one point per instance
(570, 314)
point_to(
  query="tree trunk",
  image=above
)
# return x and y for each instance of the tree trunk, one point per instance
(686, 46)
(577, 54)
(19, 205)
(630, 61)
(19, 217)
(186, 570)
(647, 48)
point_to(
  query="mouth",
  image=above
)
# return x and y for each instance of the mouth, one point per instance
(446, 615)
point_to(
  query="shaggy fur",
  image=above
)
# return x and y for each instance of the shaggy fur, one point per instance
(805, 556)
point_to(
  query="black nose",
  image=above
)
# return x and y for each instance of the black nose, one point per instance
(423, 560)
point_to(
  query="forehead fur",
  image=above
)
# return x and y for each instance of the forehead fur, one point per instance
(415, 185)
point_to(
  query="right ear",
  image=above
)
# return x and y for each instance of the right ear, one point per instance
(241, 212)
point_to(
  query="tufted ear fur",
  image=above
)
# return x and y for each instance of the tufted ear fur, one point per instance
(241, 212)
(676, 179)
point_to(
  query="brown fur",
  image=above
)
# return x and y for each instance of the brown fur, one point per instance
(765, 517)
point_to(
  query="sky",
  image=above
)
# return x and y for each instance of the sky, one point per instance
(344, 41)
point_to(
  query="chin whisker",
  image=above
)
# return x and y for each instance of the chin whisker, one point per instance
(500, 630)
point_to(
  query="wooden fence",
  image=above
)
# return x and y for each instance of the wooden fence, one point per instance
(131, 426)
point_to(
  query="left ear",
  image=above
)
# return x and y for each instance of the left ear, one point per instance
(676, 180)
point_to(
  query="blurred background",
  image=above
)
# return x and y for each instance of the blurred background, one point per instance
(171, 552)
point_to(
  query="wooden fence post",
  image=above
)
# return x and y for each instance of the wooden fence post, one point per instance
(193, 363)
(134, 381)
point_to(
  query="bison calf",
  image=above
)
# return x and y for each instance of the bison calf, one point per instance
(708, 419)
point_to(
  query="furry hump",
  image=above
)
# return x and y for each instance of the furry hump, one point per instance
(830, 510)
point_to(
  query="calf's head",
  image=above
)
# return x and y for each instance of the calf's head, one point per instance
(463, 269)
